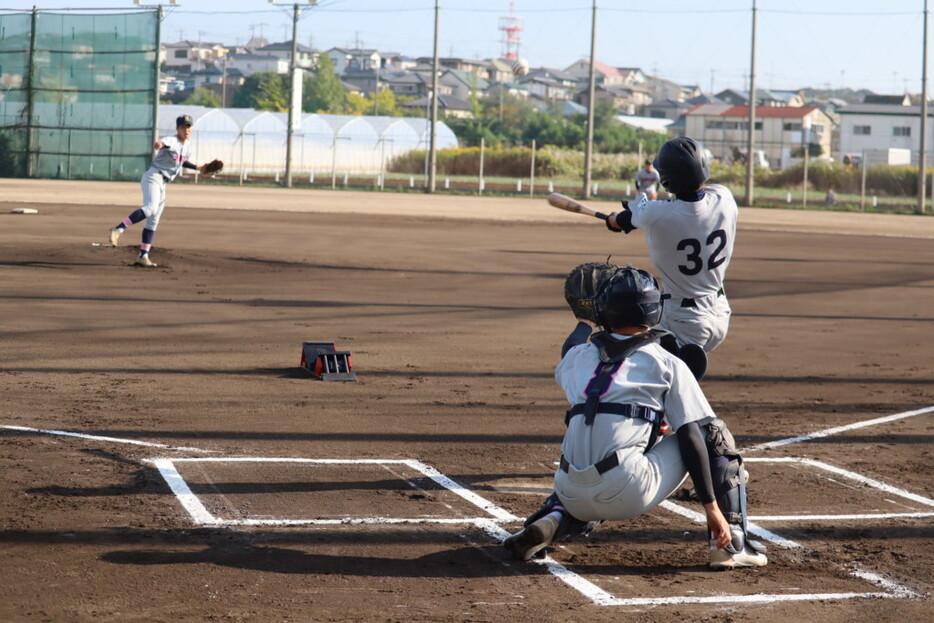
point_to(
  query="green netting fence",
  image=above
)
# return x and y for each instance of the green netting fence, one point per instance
(78, 93)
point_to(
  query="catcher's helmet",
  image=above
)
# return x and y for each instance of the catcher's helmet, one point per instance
(630, 297)
(682, 165)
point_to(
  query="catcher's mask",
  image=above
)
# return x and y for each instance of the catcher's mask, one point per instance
(630, 298)
(682, 165)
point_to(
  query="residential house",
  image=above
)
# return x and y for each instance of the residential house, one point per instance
(249, 64)
(779, 131)
(188, 56)
(764, 97)
(477, 68)
(448, 106)
(625, 99)
(305, 57)
(880, 127)
(604, 75)
(344, 58)
(666, 109)
(887, 100)
(633, 77)
(499, 70)
(661, 89)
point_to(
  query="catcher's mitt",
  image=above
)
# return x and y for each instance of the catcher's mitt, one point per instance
(583, 284)
(211, 168)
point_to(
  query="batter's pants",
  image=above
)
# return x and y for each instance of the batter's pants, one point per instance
(705, 324)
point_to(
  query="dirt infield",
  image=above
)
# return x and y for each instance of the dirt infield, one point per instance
(128, 393)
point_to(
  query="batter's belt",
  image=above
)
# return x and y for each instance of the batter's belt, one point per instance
(693, 303)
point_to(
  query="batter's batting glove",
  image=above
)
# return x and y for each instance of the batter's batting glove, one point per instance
(623, 219)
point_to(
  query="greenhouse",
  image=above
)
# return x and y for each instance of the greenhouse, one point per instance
(252, 142)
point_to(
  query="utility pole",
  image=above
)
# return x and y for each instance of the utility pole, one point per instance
(296, 11)
(433, 149)
(293, 101)
(750, 139)
(591, 91)
(922, 155)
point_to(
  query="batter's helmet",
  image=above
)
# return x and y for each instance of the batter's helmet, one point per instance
(631, 297)
(682, 165)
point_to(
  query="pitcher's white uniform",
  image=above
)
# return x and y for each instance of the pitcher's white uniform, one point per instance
(649, 377)
(164, 168)
(691, 244)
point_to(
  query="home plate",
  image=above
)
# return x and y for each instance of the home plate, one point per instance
(24, 211)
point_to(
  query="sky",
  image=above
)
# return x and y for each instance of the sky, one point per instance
(857, 44)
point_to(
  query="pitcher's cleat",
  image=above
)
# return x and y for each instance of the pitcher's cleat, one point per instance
(115, 235)
(537, 536)
(145, 261)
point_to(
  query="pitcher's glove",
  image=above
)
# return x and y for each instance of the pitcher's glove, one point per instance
(211, 168)
(583, 284)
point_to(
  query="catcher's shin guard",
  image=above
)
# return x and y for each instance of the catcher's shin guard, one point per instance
(729, 483)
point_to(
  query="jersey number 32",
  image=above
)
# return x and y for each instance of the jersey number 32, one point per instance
(695, 261)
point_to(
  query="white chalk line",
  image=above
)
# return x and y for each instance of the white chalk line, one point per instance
(850, 475)
(65, 433)
(202, 516)
(597, 595)
(838, 429)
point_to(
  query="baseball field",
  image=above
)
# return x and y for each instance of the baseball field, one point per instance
(164, 457)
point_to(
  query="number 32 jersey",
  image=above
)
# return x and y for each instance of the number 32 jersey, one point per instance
(690, 243)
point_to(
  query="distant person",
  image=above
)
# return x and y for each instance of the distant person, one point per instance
(647, 180)
(831, 198)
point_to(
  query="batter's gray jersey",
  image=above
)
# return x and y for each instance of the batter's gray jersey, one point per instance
(690, 243)
(168, 160)
(650, 377)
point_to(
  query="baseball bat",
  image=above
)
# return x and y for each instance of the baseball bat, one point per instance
(564, 202)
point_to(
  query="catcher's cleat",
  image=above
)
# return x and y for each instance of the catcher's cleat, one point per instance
(145, 261)
(533, 538)
(115, 235)
(750, 554)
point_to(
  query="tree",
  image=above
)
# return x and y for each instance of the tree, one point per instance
(264, 90)
(203, 97)
(323, 92)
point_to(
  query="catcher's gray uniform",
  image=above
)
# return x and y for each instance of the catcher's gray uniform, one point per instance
(649, 378)
(691, 244)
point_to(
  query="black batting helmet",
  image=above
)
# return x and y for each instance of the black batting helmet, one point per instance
(631, 297)
(682, 165)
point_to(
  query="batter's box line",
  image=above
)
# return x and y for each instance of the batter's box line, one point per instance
(202, 516)
(865, 480)
(600, 597)
(491, 526)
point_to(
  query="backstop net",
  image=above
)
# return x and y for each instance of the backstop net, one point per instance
(78, 93)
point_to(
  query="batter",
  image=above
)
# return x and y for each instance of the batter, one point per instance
(690, 240)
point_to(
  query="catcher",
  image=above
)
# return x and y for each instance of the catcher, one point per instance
(619, 384)
(173, 153)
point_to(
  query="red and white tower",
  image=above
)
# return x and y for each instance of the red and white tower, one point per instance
(511, 27)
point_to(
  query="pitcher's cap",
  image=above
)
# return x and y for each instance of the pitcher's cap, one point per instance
(184, 120)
